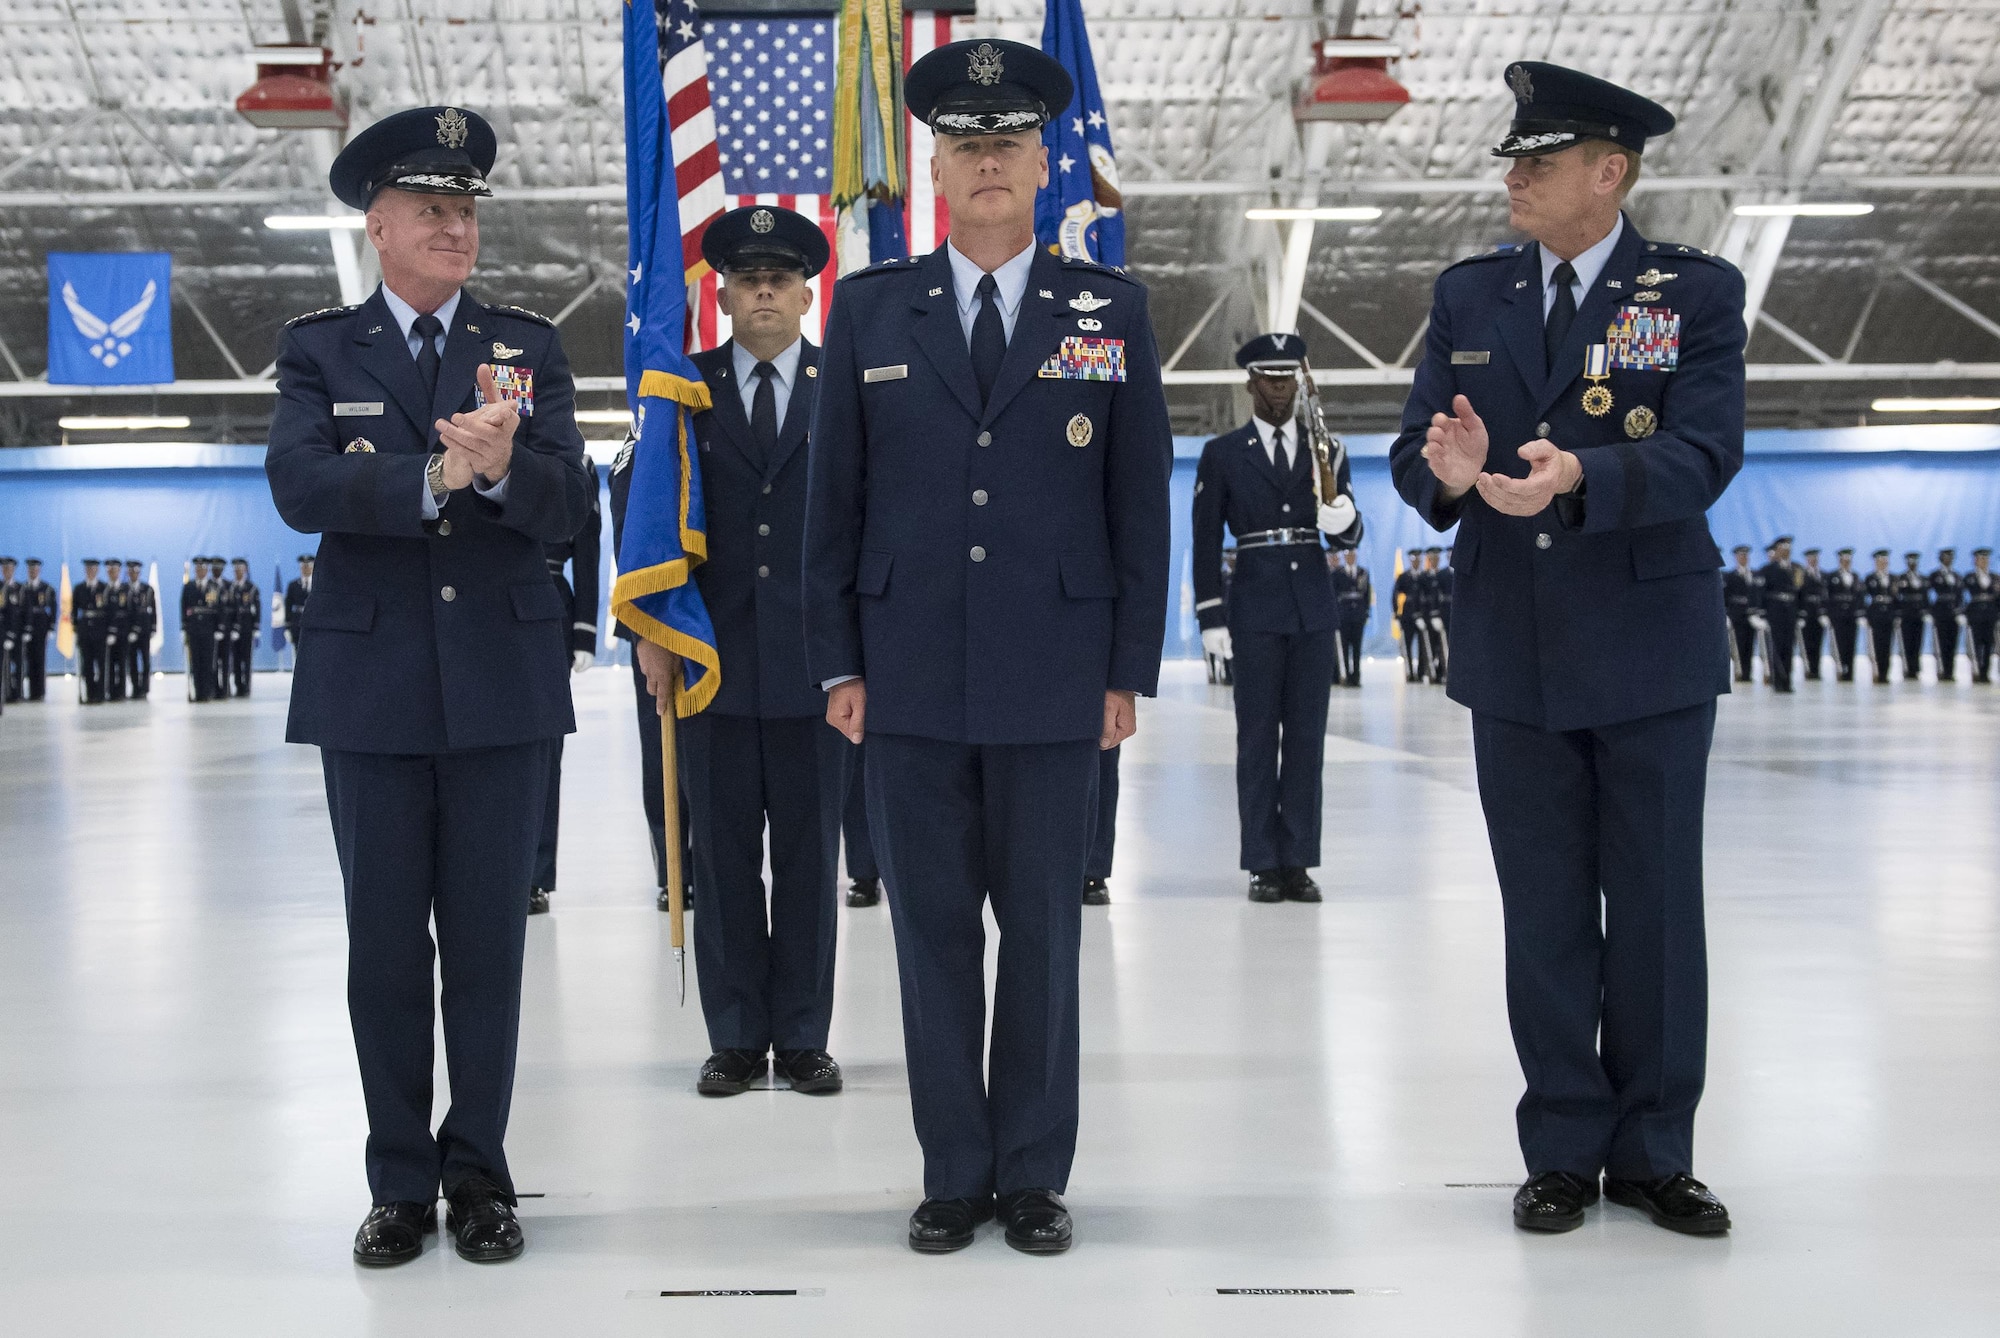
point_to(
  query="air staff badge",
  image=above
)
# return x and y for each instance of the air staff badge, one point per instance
(1597, 370)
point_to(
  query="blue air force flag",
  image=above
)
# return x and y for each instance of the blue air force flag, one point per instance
(1080, 212)
(109, 318)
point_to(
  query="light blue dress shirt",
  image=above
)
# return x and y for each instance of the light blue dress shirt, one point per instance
(786, 365)
(406, 316)
(1587, 266)
(1011, 280)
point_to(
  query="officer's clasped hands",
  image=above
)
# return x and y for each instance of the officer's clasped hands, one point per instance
(480, 442)
(1551, 471)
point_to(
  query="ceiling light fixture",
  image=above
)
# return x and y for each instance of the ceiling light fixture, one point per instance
(315, 222)
(1855, 210)
(1359, 213)
(1958, 404)
(133, 423)
(622, 416)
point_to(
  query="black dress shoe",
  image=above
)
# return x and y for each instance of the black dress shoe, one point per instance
(1553, 1201)
(1298, 885)
(810, 1071)
(729, 1072)
(864, 892)
(1037, 1222)
(480, 1217)
(1266, 886)
(538, 900)
(1678, 1202)
(1095, 893)
(393, 1233)
(939, 1226)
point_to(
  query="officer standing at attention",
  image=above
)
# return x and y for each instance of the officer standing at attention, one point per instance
(1408, 598)
(581, 555)
(13, 623)
(762, 757)
(199, 614)
(1884, 592)
(1277, 627)
(217, 585)
(1355, 595)
(247, 620)
(430, 440)
(1742, 605)
(1843, 612)
(1913, 606)
(986, 594)
(1812, 613)
(1578, 409)
(1437, 604)
(1982, 611)
(1947, 606)
(89, 601)
(1780, 579)
(40, 609)
(117, 628)
(144, 607)
(295, 599)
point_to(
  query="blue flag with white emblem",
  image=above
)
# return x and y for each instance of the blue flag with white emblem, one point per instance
(665, 523)
(109, 319)
(1080, 212)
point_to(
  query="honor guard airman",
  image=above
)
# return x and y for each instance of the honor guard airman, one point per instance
(1884, 592)
(1355, 595)
(1578, 409)
(1435, 588)
(761, 762)
(200, 613)
(13, 631)
(1780, 580)
(144, 605)
(246, 605)
(1812, 613)
(1947, 611)
(1982, 611)
(987, 538)
(1913, 609)
(1743, 607)
(573, 567)
(1279, 624)
(1408, 596)
(89, 612)
(1844, 600)
(430, 439)
(41, 607)
(295, 599)
(117, 627)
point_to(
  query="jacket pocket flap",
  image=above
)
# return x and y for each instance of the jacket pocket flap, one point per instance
(871, 573)
(339, 611)
(1088, 576)
(536, 600)
(1676, 552)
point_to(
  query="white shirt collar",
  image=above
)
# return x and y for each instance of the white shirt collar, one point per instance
(406, 315)
(1265, 433)
(1587, 266)
(786, 365)
(1011, 279)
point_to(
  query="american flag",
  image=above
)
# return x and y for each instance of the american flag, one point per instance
(772, 84)
(697, 160)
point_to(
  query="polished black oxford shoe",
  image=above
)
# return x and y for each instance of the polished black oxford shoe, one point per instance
(1553, 1201)
(810, 1071)
(939, 1226)
(1036, 1220)
(538, 900)
(1267, 886)
(1678, 1202)
(864, 892)
(393, 1233)
(1096, 892)
(1298, 885)
(480, 1216)
(728, 1072)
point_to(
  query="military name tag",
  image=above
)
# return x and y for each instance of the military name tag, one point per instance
(358, 409)
(1083, 358)
(516, 386)
(1644, 339)
(1478, 357)
(896, 373)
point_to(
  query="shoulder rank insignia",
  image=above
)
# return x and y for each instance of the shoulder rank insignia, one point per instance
(526, 315)
(500, 350)
(624, 460)
(1083, 358)
(1084, 301)
(319, 315)
(1654, 277)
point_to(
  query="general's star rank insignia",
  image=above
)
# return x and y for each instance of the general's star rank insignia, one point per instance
(1079, 431)
(1084, 301)
(1640, 423)
(500, 350)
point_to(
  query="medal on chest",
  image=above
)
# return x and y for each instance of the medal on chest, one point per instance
(1597, 370)
(514, 385)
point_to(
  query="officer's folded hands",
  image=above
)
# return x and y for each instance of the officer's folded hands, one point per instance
(480, 442)
(1456, 447)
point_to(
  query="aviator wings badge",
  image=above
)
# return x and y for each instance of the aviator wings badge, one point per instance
(500, 350)
(1083, 301)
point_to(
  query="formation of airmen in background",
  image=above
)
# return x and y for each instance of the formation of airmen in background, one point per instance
(221, 614)
(1784, 610)
(1423, 615)
(28, 612)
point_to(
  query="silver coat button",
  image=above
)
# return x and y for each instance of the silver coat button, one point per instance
(978, 554)
(447, 594)
(763, 571)
(986, 439)
(979, 497)
(444, 529)
(763, 529)
(767, 490)
(1542, 541)
(1286, 508)
(1541, 429)
(1295, 566)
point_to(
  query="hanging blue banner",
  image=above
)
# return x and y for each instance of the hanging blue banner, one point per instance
(1080, 212)
(110, 318)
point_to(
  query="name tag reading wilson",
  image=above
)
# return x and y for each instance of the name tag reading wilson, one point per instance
(358, 409)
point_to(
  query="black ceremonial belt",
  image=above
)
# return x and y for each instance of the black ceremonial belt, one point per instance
(1276, 539)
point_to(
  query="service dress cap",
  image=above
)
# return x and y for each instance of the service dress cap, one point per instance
(986, 86)
(1947, 552)
(1740, 548)
(430, 150)
(1272, 353)
(5, 559)
(1781, 539)
(1913, 556)
(1982, 552)
(1555, 108)
(305, 557)
(1880, 552)
(764, 236)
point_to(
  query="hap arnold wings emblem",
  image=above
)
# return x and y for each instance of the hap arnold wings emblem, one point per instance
(984, 65)
(452, 128)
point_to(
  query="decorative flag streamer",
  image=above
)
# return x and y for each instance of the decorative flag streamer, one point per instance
(65, 627)
(870, 152)
(277, 603)
(1080, 212)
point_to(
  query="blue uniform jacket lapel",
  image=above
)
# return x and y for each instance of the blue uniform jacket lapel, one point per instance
(387, 359)
(1592, 318)
(1037, 333)
(718, 368)
(938, 332)
(1521, 319)
(798, 411)
(458, 371)
(1260, 461)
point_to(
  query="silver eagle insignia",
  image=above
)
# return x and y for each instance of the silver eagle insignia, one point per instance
(453, 128)
(983, 65)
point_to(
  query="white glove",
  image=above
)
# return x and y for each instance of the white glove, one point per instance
(1757, 621)
(1215, 641)
(1337, 516)
(580, 660)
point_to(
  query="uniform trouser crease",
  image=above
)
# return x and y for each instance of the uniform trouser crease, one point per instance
(1281, 696)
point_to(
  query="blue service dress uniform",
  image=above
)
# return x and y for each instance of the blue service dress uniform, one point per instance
(1913, 610)
(991, 568)
(761, 755)
(1282, 621)
(1586, 643)
(89, 604)
(1778, 585)
(1882, 591)
(139, 645)
(39, 619)
(580, 554)
(1982, 611)
(433, 674)
(1354, 596)
(1947, 605)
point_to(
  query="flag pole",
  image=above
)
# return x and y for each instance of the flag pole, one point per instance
(670, 803)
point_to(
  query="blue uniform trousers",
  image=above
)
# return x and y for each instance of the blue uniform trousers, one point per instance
(1282, 684)
(448, 837)
(1596, 838)
(1104, 828)
(860, 848)
(765, 971)
(651, 794)
(956, 824)
(545, 842)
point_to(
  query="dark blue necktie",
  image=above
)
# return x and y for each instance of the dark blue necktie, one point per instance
(427, 329)
(1562, 314)
(764, 413)
(989, 338)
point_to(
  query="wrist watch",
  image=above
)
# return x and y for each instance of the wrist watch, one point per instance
(434, 475)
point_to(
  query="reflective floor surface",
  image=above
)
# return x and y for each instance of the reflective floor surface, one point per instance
(1275, 1097)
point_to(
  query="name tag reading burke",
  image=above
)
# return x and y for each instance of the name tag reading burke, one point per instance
(358, 409)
